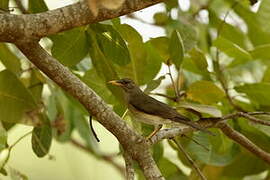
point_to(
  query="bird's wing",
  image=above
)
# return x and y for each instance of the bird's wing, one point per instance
(152, 106)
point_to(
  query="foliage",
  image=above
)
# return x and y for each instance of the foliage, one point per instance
(215, 58)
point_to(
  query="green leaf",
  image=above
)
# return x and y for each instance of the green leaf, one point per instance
(266, 76)
(261, 52)
(70, 47)
(199, 61)
(9, 59)
(263, 15)
(152, 85)
(257, 92)
(37, 6)
(161, 45)
(98, 84)
(104, 67)
(112, 44)
(205, 92)
(41, 140)
(145, 60)
(228, 31)
(211, 110)
(222, 151)
(176, 49)
(4, 5)
(169, 170)
(231, 49)
(160, 18)
(3, 137)
(158, 151)
(36, 85)
(15, 100)
(256, 33)
(188, 33)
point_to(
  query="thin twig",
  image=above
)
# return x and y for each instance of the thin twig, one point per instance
(173, 84)
(190, 160)
(129, 166)
(196, 142)
(106, 158)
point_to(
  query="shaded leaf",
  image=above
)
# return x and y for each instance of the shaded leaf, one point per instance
(221, 151)
(199, 61)
(169, 170)
(9, 59)
(205, 92)
(176, 49)
(152, 85)
(37, 6)
(70, 47)
(257, 92)
(160, 18)
(15, 100)
(41, 140)
(211, 110)
(4, 4)
(112, 44)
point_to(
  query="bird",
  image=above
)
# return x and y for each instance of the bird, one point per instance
(148, 110)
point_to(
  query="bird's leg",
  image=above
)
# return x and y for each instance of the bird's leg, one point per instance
(157, 128)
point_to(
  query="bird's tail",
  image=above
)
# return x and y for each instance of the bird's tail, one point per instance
(194, 125)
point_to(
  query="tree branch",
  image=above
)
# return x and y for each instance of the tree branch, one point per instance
(190, 160)
(16, 28)
(131, 141)
(129, 167)
(245, 142)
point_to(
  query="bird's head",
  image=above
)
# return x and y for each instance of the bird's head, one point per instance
(127, 84)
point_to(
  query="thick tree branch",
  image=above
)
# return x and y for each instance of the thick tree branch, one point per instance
(131, 141)
(35, 26)
(129, 167)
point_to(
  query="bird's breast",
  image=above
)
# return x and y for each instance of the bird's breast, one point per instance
(147, 118)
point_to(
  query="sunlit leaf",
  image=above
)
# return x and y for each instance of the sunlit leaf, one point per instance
(205, 92)
(70, 47)
(9, 59)
(264, 15)
(231, 49)
(3, 137)
(161, 45)
(261, 52)
(199, 61)
(211, 110)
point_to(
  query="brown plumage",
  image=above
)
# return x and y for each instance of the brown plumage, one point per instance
(149, 110)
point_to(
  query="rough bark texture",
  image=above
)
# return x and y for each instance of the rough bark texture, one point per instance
(26, 30)
(132, 142)
(35, 26)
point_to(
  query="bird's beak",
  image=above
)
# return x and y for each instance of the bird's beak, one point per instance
(114, 82)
